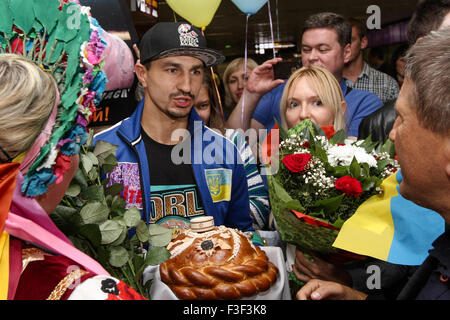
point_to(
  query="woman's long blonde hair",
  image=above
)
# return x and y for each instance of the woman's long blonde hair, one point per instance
(27, 96)
(327, 87)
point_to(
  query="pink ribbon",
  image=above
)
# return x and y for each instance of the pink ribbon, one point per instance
(42, 138)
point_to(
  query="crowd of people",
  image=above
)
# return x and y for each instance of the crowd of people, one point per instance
(219, 174)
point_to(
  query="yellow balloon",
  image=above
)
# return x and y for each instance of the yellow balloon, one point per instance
(197, 12)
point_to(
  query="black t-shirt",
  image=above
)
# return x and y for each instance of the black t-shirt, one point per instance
(175, 197)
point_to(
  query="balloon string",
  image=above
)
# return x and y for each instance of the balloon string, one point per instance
(216, 87)
(271, 29)
(245, 71)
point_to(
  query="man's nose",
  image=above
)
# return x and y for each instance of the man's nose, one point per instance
(184, 83)
(394, 130)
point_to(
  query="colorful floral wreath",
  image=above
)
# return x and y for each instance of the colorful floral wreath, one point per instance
(62, 38)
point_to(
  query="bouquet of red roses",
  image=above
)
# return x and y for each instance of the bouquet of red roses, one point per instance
(322, 179)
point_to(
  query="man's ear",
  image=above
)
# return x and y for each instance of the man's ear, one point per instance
(141, 72)
(364, 42)
(347, 52)
(447, 156)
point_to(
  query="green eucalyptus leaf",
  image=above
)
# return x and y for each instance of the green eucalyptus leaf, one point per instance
(142, 231)
(110, 230)
(94, 212)
(118, 256)
(132, 217)
(156, 256)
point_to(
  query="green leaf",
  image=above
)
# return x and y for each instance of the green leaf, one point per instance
(142, 232)
(156, 256)
(94, 212)
(389, 147)
(93, 193)
(159, 235)
(73, 190)
(80, 179)
(355, 169)
(294, 205)
(66, 219)
(122, 236)
(118, 256)
(93, 158)
(382, 164)
(86, 162)
(114, 189)
(92, 233)
(369, 183)
(132, 217)
(103, 149)
(338, 137)
(110, 230)
(118, 204)
(329, 205)
(109, 163)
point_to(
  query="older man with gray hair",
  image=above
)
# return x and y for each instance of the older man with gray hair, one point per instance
(421, 135)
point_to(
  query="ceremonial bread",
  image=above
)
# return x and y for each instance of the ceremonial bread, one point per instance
(218, 264)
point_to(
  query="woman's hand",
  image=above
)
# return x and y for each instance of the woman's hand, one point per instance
(305, 269)
(326, 290)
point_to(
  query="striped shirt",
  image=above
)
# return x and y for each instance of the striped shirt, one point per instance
(257, 192)
(382, 84)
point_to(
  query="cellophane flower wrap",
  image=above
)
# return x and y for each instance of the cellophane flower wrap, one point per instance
(321, 180)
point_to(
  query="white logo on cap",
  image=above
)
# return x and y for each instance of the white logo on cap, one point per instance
(188, 37)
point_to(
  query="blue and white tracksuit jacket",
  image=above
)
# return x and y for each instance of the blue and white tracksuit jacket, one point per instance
(221, 179)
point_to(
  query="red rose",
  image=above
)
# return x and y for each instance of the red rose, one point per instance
(348, 185)
(329, 131)
(296, 162)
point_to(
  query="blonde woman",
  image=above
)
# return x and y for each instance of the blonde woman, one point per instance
(313, 93)
(234, 81)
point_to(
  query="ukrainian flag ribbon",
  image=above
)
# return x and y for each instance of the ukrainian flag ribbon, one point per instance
(391, 228)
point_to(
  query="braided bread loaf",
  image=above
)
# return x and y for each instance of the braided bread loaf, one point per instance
(218, 264)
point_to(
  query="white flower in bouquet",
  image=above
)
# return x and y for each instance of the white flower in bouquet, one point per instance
(342, 155)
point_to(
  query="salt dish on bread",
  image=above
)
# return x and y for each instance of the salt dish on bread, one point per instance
(221, 263)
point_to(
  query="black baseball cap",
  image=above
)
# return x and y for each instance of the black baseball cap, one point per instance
(167, 39)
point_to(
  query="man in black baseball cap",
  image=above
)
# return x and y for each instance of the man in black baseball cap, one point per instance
(165, 129)
(170, 39)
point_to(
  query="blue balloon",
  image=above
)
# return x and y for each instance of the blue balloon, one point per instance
(249, 6)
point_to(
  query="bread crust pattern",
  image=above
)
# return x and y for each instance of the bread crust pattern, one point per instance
(218, 264)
